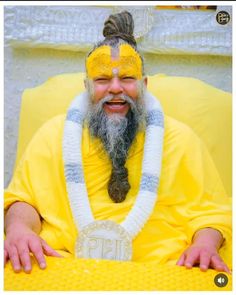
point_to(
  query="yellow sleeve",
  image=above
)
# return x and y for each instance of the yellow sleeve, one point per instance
(39, 180)
(30, 172)
(207, 204)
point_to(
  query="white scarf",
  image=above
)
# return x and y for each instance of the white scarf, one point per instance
(151, 166)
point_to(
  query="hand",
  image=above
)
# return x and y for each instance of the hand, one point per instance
(19, 243)
(206, 256)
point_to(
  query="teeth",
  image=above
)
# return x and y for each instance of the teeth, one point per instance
(116, 102)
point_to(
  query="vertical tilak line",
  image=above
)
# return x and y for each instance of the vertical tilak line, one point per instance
(115, 53)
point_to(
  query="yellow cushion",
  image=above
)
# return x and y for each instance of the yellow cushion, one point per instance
(45, 101)
(102, 275)
(206, 109)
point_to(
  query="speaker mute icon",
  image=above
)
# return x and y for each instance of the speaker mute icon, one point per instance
(221, 280)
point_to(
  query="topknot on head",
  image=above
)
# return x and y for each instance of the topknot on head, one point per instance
(120, 25)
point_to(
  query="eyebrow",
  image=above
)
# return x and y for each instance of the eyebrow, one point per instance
(102, 76)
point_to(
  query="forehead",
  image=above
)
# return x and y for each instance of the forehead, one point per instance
(105, 59)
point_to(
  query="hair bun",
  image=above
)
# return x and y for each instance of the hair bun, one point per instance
(120, 25)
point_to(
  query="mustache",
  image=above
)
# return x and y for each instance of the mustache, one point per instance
(124, 97)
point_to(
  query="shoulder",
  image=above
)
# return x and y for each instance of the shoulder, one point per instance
(179, 138)
(51, 128)
(55, 122)
(175, 129)
(48, 137)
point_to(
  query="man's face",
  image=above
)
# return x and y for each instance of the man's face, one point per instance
(115, 73)
(116, 86)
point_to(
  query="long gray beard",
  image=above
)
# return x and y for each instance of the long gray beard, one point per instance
(117, 134)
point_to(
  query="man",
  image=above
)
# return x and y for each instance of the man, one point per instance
(115, 178)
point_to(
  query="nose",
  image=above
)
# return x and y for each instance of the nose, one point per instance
(115, 86)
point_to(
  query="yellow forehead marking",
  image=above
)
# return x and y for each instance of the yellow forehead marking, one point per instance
(102, 63)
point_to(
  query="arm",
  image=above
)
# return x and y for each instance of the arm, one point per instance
(22, 228)
(204, 251)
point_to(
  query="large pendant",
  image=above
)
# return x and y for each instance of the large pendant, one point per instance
(104, 239)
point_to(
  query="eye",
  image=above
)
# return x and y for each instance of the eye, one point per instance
(128, 78)
(101, 80)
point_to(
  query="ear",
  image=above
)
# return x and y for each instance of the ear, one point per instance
(145, 81)
(85, 84)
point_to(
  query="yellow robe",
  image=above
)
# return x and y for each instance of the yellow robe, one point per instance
(190, 196)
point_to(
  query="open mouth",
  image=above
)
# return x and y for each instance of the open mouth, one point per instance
(116, 102)
(116, 106)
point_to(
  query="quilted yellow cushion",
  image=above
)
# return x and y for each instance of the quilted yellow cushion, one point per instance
(72, 274)
(206, 109)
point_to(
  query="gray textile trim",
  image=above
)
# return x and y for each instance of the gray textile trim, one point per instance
(155, 117)
(74, 173)
(149, 183)
(75, 115)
